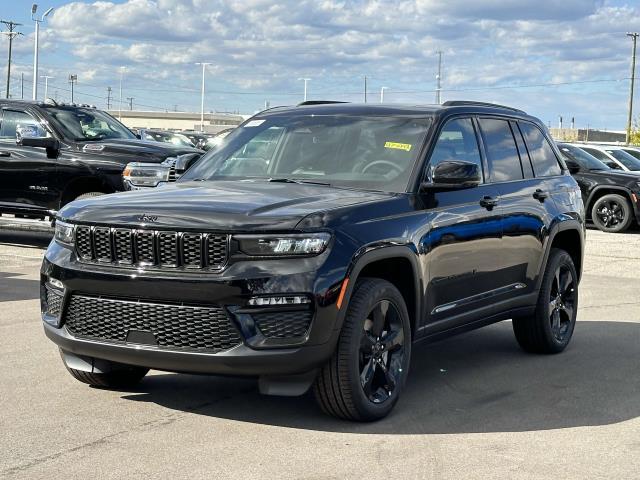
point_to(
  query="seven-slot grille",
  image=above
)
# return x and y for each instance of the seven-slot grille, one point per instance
(176, 327)
(149, 248)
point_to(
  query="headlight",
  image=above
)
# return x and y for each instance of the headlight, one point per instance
(145, 174)
(64, 233)
(283, 245)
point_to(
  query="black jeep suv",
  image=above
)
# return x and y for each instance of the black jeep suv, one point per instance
(611, 197)
(316, 246)
(51, 154)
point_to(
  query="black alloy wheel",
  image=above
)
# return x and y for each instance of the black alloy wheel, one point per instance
(562, 302)
(381, 352)
(611, 213)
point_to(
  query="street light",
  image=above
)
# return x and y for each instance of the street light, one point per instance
(305, 80)
(34, 9)
(122, 69)
(46, 84)
(382, 89)
(204, 66)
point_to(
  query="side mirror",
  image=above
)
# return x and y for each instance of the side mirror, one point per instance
(33, 136)
(453, 174)
(572, 166)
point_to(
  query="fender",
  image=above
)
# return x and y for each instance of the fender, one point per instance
(628, 192)
(561, 224)
(381, 251)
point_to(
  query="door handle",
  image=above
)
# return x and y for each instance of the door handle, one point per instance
(540, 195)
(5, 154)
(488, 202)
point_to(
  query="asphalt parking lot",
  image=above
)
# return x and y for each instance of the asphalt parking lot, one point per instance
(475, 405)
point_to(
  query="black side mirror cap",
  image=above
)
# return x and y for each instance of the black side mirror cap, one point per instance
(452, 175)
(50, 144)
(572, 166)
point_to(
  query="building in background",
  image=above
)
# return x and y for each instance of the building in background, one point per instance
(213, 122)
(587, 135)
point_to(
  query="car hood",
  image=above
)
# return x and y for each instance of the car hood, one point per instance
(135, 150)
(614, 176)
(220, 205)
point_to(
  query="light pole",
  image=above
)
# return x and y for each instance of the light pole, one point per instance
(204, 66)
(305, 80)
(634, 38)
(382, 89)
(122, 69)
(46, 84)
(34, 9)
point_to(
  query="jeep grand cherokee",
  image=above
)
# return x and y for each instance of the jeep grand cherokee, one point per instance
(316, 246)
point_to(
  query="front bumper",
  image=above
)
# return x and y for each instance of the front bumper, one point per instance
(255, 354)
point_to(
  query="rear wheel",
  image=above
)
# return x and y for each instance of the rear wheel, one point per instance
(364, 378)
(551, 326)
(612, 213)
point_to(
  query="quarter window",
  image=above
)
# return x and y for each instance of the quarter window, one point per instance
(504, 161)
(457, 141)
(545, 163)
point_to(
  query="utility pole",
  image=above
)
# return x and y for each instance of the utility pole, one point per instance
(365, 89)
(11, 33)
(72, 80)
(22, 86)
(46, 84)
(130, 103)
(634, 37)
(305, 80)
(439, 79)
(382, 89)
(109, 98)
(122, 69)
(204, 66)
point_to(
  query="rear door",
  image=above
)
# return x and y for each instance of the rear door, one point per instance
(523, 202)
(27, 176)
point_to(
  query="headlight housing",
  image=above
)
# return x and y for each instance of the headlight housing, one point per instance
(283, 245)
(145, 174)
(64, 233)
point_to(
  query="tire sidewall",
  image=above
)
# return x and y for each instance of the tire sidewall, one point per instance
(382, 290)
(622, 226)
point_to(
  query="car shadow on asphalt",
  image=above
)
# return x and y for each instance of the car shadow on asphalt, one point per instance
(475, 383)
(12, 287)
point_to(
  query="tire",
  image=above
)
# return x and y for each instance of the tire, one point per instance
(550, 328)
(376, 306)
(122, 376)
(612, 213)
(88, 195)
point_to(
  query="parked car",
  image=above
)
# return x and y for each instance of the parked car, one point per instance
(164, 136)
(613, 156)
(317, 246)
(633, 151)
(611, 197)
(51, 154)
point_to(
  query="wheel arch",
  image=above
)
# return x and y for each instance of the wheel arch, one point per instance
(603, 190)
(567, 235)
(79, 186)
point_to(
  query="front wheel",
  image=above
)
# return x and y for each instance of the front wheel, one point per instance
(551, 326)
(612, 213)
(368, 370)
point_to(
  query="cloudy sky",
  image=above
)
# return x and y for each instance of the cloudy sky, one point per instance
(549, 57)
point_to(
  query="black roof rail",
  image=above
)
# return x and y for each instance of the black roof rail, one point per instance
(318, 102)
(462, 103)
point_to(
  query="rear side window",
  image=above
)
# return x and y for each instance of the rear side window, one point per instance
(545, 163)
(504, 161)
(457, 141)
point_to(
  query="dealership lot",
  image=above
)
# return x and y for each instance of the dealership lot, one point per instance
(475, 406)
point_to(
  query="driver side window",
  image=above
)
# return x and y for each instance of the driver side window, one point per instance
(457, 142)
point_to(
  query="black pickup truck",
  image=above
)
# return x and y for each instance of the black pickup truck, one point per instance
(51, 154)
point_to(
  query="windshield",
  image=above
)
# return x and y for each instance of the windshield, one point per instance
(625, 159)
(582, 158)
(373, 153)
(87, 124)
(174, 138)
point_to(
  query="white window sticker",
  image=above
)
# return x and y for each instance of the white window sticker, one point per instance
(254, 123)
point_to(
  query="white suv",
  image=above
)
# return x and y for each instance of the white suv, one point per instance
(613, 156)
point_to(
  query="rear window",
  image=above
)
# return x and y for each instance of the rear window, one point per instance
(545, 163)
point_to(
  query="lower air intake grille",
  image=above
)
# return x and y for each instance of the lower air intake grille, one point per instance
(174, 326)
(283, 324)
(54, 302)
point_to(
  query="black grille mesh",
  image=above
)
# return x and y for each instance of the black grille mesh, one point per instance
(174, 326)
(283, 324)
(150, 248)
(54, 302)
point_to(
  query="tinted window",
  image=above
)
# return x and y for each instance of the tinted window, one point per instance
(504, 162)
(582, 158)
(457, 141)
(597, 153)
(12, 119)
(625, 159)
(633, 153)
(545, 163)
(525, 161)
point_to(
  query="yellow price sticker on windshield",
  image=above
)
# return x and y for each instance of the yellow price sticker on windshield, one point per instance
(398, 146)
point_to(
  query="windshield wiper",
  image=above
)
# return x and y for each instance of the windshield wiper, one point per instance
(294, 180)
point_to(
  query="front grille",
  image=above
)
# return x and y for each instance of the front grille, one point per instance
(149, 248)
(283, 324)
(173, 174)
(173, 326)
(54, 301)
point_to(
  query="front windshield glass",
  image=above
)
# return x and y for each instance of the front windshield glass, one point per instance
(625, 159)
(88, 124)
(582, 158)
(369, 152)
